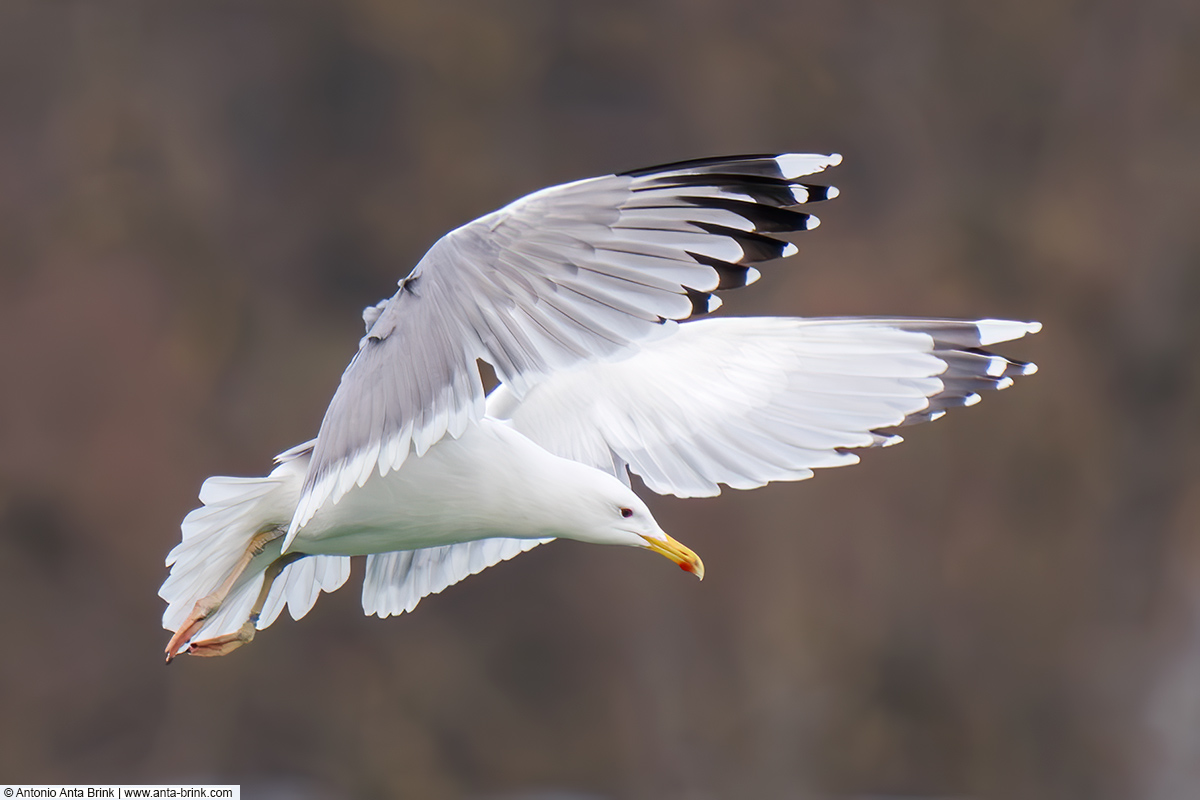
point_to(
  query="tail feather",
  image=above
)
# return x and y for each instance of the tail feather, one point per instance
(216, 535)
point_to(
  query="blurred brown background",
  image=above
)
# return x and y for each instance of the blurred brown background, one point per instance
(197, 199)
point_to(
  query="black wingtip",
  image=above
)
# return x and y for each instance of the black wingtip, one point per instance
(703, 303)
(758, 162)
(729, 276)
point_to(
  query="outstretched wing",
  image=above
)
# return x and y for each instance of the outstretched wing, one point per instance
(568, 274)
(746, 401)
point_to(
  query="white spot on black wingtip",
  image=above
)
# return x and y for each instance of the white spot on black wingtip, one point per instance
(702, 302)
(800, 194)
(971, 399)
(1029, 368)
(936, 415)
(1004, 383)
(789, 250)
(729, 276)
(831, 192)
(992, 331)
(811, 223)
(794, 165)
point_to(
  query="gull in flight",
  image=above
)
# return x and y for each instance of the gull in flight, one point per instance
(589, 300)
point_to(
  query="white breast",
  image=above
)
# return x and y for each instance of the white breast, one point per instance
(490, 482)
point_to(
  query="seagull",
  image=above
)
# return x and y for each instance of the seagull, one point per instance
(590, 302)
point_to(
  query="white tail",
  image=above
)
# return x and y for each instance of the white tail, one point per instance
(217, 535)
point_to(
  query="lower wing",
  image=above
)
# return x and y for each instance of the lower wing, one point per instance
(745, 401)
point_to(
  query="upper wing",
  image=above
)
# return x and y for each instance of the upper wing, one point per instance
(745, 401)
(567, 274)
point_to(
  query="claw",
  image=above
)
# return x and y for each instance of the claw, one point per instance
(223, 645)
(205, 606)
(191, 626)
(185, 632)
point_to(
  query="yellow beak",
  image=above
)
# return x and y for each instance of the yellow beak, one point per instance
(685, 558)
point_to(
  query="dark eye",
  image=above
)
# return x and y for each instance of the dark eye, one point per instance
(626, 512)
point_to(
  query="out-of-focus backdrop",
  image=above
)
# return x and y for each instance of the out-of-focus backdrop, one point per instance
(197, 199)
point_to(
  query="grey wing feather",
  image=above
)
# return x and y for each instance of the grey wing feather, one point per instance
(571, 273)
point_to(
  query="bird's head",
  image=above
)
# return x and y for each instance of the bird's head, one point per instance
(613, 514)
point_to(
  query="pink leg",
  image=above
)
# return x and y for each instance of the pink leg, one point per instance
(206, 605)
(222, 645)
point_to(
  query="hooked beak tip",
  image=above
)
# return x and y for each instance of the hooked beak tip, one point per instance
(687, 560)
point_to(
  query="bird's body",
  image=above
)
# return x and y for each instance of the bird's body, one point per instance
(490, 482)
(573, 294)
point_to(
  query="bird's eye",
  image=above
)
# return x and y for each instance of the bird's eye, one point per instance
(626, 512)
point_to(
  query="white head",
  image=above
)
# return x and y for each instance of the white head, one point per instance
(603, 510)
